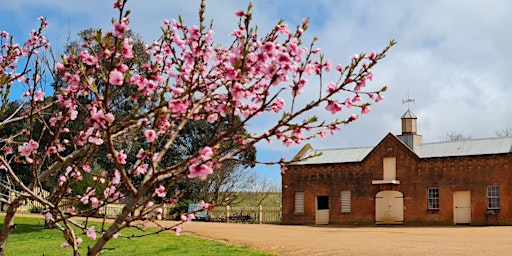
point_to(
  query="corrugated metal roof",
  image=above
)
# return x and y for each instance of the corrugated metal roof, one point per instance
(329, 156)
(465, 147)
(488, 146)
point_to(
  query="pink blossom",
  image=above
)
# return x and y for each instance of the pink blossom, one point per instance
(239, 13)
(160, 191)
(127, 48)
(202, 171)
(95, 202)
(150, 135)
(79, 241)
(141, 154)
(116, 78)
(379, 97)
(86, 167)
(116, 235)
(91, 233)
(64, 245)
(348, 103)
(333, 106)
(121, 156)
(206, 206)
(177, 230)
(39, 95)
(120, 28)
(331, 87)
(278, 105)
(206, 153)
(48, 216)
(365, 109)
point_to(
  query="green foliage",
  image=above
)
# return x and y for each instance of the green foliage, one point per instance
(181, 207)
(30, 238)
(35, 209)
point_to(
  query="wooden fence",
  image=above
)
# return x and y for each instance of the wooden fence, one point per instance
(251, 215)
(257, 215)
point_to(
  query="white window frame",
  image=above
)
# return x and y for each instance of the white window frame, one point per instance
(493, 197)
(346, 201)
(433, 198)
(299, 202)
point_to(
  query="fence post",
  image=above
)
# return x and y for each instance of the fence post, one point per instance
(261, 214)
(227, 213)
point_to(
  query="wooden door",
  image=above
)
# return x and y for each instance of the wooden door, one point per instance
(462, 207)
(389, 207)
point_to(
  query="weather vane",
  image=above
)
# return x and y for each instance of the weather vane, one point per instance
(408, 100)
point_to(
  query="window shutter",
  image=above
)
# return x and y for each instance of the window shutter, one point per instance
(299, 202)
(345, 201)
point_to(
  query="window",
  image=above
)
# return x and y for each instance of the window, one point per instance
(345, 201)
(299, 202)
(493, 197)
(389, 168)
(433, 198)
(322, 203)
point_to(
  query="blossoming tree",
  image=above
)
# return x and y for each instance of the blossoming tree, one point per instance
(187, 77)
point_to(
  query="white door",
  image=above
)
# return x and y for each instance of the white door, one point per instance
(322, 210)
(389, 207)
(462, 207)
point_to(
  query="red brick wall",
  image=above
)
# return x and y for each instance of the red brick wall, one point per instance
(449, 174)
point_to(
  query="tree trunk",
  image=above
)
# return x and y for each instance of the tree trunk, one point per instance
(114, 228)
(8, 224)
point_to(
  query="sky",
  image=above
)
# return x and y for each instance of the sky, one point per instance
(452, 57)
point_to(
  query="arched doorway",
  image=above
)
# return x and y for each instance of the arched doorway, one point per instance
(389, 207)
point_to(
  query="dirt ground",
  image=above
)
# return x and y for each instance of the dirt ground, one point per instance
(328, 240)
(348, 241)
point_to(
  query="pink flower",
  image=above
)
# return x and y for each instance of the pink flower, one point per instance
(116, 78)
(177, 230)
(116, 235)
(64, 245)
(95, 202)
(127, 48)
(48, 216)
(91, 233)
(150, 135)
(365, 109)
(278, 105)
(79, 241)
(39, 95)
(121, 156)
(141, 154)
(206, 153)
(206, 206)
(239, 13)
(333, 106)
(160, 191)
(202, 171)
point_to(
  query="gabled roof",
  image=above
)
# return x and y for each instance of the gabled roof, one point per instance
(331, 156)
(489, 146)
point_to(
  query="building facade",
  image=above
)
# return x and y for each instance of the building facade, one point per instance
(402, 181)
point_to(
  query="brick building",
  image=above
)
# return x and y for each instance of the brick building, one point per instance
(402, 181)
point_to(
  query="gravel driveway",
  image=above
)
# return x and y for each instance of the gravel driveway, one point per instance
(329, 240)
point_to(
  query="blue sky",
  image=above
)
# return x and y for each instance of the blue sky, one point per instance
(452, 57)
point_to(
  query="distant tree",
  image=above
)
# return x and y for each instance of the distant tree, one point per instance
(453, 136)
(505, 132)
(259, 192)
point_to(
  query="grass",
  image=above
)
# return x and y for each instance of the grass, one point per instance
(30, 238)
